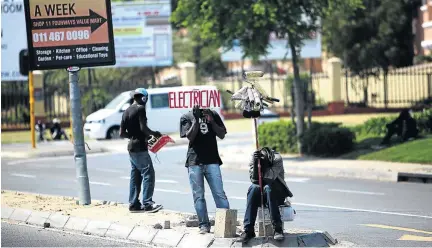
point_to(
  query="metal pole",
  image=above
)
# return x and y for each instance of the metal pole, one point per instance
(260, 178)
(32, 115)
(78, 135)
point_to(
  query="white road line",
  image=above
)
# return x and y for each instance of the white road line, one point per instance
(237, 197)
(166, 181)
(297, 179)
(237, 182)
(171, 191)
(22, 175)
(99, 183)
(127, 178)
(363, 210)
(108, 170)
(356, 192)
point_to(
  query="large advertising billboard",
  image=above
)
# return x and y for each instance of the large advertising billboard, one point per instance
(143, 35)
(13, 39)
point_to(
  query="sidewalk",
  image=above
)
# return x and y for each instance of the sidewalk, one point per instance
(66, 148)
(239, 157)
(62, 213)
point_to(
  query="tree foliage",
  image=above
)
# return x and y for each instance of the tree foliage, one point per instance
(250, 23)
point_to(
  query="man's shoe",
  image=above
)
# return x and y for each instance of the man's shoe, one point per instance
(152, 208)
(204, 230)
(134, 209)
(246, 236)
(279, 235)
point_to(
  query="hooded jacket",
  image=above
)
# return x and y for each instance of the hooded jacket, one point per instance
(274, 175)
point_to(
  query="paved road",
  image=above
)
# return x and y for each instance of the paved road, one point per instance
(27, 236)
(367, 213)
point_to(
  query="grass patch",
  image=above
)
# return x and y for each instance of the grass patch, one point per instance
(416, 151)
(23, 136)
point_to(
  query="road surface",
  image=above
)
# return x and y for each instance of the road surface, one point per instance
(28, 236)
(367, 213)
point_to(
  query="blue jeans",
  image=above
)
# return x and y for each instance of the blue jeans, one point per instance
(254, 201)
(213, 176)
(142, 172)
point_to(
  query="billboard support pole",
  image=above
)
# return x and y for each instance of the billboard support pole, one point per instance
(78, 134)
(32, 114)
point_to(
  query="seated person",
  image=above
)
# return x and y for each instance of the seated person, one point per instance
(56, 131)
(275, 192)
(404, 126)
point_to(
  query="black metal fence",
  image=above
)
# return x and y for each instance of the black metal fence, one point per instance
(15, 110)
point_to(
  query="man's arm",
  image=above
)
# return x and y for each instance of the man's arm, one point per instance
(188, 128)
(218, 126)
(143, 124)
(123, 131)
(253, 170)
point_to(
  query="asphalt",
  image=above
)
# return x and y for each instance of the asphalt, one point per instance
(365, 212)
(27, 236)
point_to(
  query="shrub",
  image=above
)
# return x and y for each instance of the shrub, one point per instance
(322, 139)
(424, 120)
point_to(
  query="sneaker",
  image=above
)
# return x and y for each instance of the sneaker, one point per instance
(278, 235)
(246, 236)
(134, 209)
(152, 208)
(204, 230)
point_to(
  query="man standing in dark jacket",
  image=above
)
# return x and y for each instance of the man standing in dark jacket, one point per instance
(275, 192)
(134, 127)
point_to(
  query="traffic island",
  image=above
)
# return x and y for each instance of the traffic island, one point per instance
(112, 219)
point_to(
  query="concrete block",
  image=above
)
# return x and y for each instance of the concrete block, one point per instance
(195, 240)
(97, 227)
(313, 240)
(192, 223)
(57, 220)
(143, 234)
(225, 223)
(6, 212)
(20, 215)
(76, 224)
(218, 242)
(168, 237)
(119, 231)
(269, 229)
(38, 218)
(255, 243)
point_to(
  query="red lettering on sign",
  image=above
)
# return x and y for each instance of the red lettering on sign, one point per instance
(188, 99)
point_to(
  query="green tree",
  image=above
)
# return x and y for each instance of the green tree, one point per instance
(250, 22)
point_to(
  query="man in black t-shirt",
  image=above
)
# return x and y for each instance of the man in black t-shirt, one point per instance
(201, 128)
(134, 127)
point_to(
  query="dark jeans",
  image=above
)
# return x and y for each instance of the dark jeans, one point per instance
(142, 172)
(254, 201)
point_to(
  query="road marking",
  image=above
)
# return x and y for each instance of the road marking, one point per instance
(237, 197)
(356, 192)
(171, 191)
(408, 237)
(397, 228)
(237, 182)
(157, 180)
(22, 175)
(108, 170)
(166, 181)
(297, 179)
(99, 183)
(362, 210)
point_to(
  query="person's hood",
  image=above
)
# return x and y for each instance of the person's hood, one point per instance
(100, 114)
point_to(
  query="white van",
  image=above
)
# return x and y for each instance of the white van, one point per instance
(105, 123)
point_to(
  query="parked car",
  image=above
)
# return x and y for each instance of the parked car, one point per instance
(105, 123)
(268, 116)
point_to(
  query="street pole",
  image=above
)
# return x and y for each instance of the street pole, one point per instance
(78, 135)
(32, 115)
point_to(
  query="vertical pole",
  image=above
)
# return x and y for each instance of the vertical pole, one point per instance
(260, 178)
(78, 134)
(32, 116)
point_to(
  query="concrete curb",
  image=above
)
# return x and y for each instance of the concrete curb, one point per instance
(369, 173)
(155, 237)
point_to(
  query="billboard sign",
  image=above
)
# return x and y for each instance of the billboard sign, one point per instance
(142, 32)
(13, 39)
(278, 49)
(63, 33)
